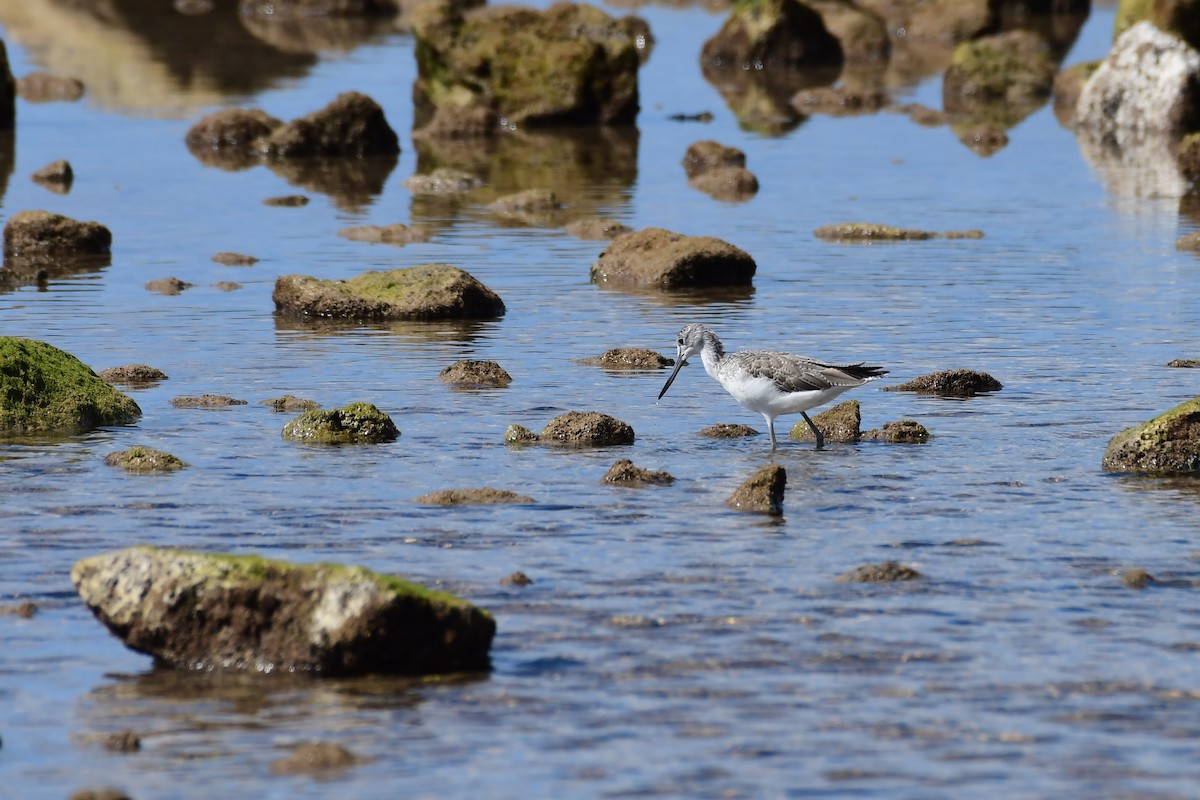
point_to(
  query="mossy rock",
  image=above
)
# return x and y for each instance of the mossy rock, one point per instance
(883, 572)
(839, 424)
(655, 258)
(1178, 17)
(144, 459)
(424, 292)
(625, 473)
(205, 611)
(1013, 68)
(482, 496)
(762, 492)
(356, 423)
(47, 390)
(1169, 443)
(870, 232)
(586, 429)
(905, 431)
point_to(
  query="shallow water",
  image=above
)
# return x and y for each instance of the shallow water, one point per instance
(669, 646)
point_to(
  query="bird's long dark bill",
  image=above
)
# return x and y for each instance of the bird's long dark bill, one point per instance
(678, 366)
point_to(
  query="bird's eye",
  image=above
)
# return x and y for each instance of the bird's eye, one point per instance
(681, 341)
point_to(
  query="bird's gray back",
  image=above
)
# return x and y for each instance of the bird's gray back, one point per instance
(793, 373)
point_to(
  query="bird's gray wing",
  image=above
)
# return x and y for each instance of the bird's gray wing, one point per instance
(793, 373)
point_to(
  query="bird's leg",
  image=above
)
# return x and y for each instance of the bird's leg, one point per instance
(771, 429)
(816, 431)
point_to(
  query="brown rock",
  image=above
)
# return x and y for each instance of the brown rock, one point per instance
(1185, 363)
(38, 236)
(518, 578)
(538, 207)
(233, 137)
(1137, 578)
(442, 181)
(1169, 443)
(227, 286)
(42, 87)
(839, 102)
(1015, 68)
(708, 155)
(315, 758)
(352, 125)
(772, 35)
(1190, 242)
(950, 383)
(869, 232)
(519, 434)
(169, 286)
(132, 375)
(728, 430)
(655, 258)
(353, 424)
(144, 459)
(625, 473)
(56, 176)
(629, 358)
(25, 610)
(838, 424)
(884, 572)
(206, 401)
(596, 228)
(396, 233)
(729, 184)
(290, 403)
(762, 492)
(1067, 86)
(287, 201)
(234, 259)
(424, 292)
(586, 429)
(467, 374)
(106, 793)
(472, 497)
(123, 742)
(905, 431)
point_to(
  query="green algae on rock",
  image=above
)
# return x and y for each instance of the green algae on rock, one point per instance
(47, 390)
(356, 423)
(570, 64)
(839, 424)
(195, 610)
(1001, 78)
(144, 459)
(1168, 443)
(950, 383)
(424, 292)
(905, 431)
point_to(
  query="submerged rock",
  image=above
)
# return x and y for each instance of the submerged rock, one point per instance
(869, 232)
(46, 390)
(905, 431)
(132, 375)
(425, 292)
(586, 429)
(290, 403)
(1148, 83)
(567, 65)
(838, 424)
(443, 181)
(38, 236)
(884, 572)
(205, 401)
(728, 184)
(762, 492)
(531, 207)
(467, 374)
(231, 137)
(950, 383)
(144, 459)
(356, 423)
(625, 473)
(472, 497)
(1166, 444)
(518, 578)
(169, 286)
(315, 758)
(1185, 363)
(596, 228)
(210, 611)
(629, 358)
(395, 233)
(1137, 578)
(234, 259)
(42, 87)
(26, 609)
(287, 201)
(655, 258)
(839, 102)
(123, 742)
(707, 155)
(1068, 85)
(728, 430)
